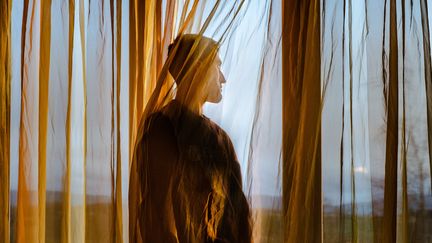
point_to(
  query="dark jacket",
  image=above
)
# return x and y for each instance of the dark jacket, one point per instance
(190, 181)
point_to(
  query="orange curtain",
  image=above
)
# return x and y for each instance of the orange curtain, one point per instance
(69, 157)
(302, 205)
(79, 74)
(328, 105)
(5, 86)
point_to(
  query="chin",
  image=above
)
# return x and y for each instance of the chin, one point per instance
(215, 100)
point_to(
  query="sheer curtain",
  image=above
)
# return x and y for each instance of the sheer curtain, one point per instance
(76, 78)
(5, 74)
(327, 104)
(376, 121)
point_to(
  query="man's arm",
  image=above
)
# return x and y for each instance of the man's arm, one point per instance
(240, 206)
(237, 221)
(157, 220)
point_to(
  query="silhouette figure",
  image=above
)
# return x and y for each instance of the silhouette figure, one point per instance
(188, 173)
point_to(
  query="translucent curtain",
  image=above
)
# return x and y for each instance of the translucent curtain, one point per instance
(147, 40)
(103, 151)
(250, 50)
(27, 198)
(301, 63)
(145, 57)
(5, 94)
(258, 112)
(327, 104)
(376, 68)
(64, 181)
(78, 93)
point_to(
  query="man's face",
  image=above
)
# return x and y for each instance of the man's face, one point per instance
(215, 81)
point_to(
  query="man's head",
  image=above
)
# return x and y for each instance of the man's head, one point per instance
(195, 68)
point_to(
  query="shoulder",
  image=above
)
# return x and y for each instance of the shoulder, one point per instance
(158, 134)
(216, 129)
(160, 143)
(221, 134)
(224, 144)
(158, 123)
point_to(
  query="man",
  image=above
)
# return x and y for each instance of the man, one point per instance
(184, 165)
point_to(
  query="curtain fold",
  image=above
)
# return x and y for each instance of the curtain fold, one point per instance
(375, 148)
(100, 160)
(301, 92)
(118, 169)
(427, 71)
(27, 201)
(328, 105)
(391, 171)
(5, 106)
(66, 217)
(44, 61)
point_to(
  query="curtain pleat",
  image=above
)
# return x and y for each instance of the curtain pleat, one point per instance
(58, 147)
(354, 222)
(301, 95)
(27, 201)
(136, 62)
(146, 45)
(83, 40)
(44, 71)
(133, 79)
(391, 162)
(427, 72)
(118, 170)
(404, 158)
(354, 120)
(375, 58)
(5, 109)
(66, 217)
(99, 215)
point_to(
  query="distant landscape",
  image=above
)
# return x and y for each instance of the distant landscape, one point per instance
(99, 210)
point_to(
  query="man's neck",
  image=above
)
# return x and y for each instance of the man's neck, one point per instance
(196, 107)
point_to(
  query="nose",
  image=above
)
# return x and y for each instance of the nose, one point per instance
(222, 79)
